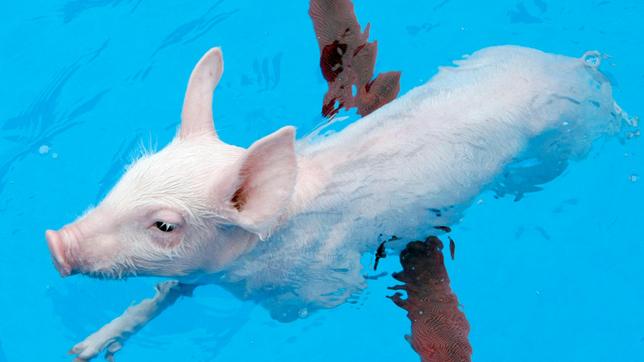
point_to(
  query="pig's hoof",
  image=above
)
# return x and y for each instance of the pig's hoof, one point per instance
(92, 347)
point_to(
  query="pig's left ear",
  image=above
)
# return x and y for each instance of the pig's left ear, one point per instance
(196, 116)
(265, 183)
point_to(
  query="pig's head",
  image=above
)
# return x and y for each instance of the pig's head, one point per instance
(195, 206)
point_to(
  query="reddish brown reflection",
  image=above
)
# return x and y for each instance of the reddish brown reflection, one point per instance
(347, 60)
(439, 328)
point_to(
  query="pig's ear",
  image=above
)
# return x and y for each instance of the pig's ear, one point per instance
(196, 116)
(266, 179)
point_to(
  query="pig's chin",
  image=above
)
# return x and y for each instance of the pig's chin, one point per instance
(120, 271)
(75, 263)
(124, 271)
(116, 268)
(109, 274)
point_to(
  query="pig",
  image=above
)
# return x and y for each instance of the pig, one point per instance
(284, 222)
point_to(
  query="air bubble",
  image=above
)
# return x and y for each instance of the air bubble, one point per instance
(44, 149)
(633, 178)
(592, 58)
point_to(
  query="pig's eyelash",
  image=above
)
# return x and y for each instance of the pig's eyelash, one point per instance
(165, 226)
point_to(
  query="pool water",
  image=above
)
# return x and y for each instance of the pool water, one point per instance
(85, 85)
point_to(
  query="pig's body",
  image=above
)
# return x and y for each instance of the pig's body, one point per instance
(285, 223)
(418, 163)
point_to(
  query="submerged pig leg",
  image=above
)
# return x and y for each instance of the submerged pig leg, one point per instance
(112, 335)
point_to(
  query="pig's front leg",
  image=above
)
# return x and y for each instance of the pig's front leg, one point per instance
(112, 335)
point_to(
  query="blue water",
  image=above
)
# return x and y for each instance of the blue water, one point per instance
(557, 276)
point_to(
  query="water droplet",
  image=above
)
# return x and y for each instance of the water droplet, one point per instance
(44, 149)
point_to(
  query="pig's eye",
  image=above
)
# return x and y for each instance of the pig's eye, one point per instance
(165, 227)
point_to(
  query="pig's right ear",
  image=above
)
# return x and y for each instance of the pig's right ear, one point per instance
(196, 116)
(264, 184)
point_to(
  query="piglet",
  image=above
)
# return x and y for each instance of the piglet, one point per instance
(284, 223)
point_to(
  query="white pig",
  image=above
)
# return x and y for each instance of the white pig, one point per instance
(285, 222)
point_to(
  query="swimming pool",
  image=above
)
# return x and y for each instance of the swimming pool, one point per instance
(554, 277)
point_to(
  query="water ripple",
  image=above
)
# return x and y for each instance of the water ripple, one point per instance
(521, 14)
(194, 29)
(43, 120)
(185, 34)
(73, 9)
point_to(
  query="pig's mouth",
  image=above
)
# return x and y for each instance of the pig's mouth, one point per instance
(56, 248)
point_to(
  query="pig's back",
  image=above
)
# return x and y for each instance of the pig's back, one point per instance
(439, 145)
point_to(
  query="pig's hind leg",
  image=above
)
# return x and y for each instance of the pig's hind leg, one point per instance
(112, 335)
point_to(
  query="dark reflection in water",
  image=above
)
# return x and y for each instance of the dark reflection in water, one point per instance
(439, 328)
(72, 9)
(43, 119)
(347, 61)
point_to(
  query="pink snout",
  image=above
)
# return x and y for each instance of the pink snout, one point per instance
(57, 249)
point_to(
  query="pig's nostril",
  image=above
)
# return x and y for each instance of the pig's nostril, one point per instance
(56, 248)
